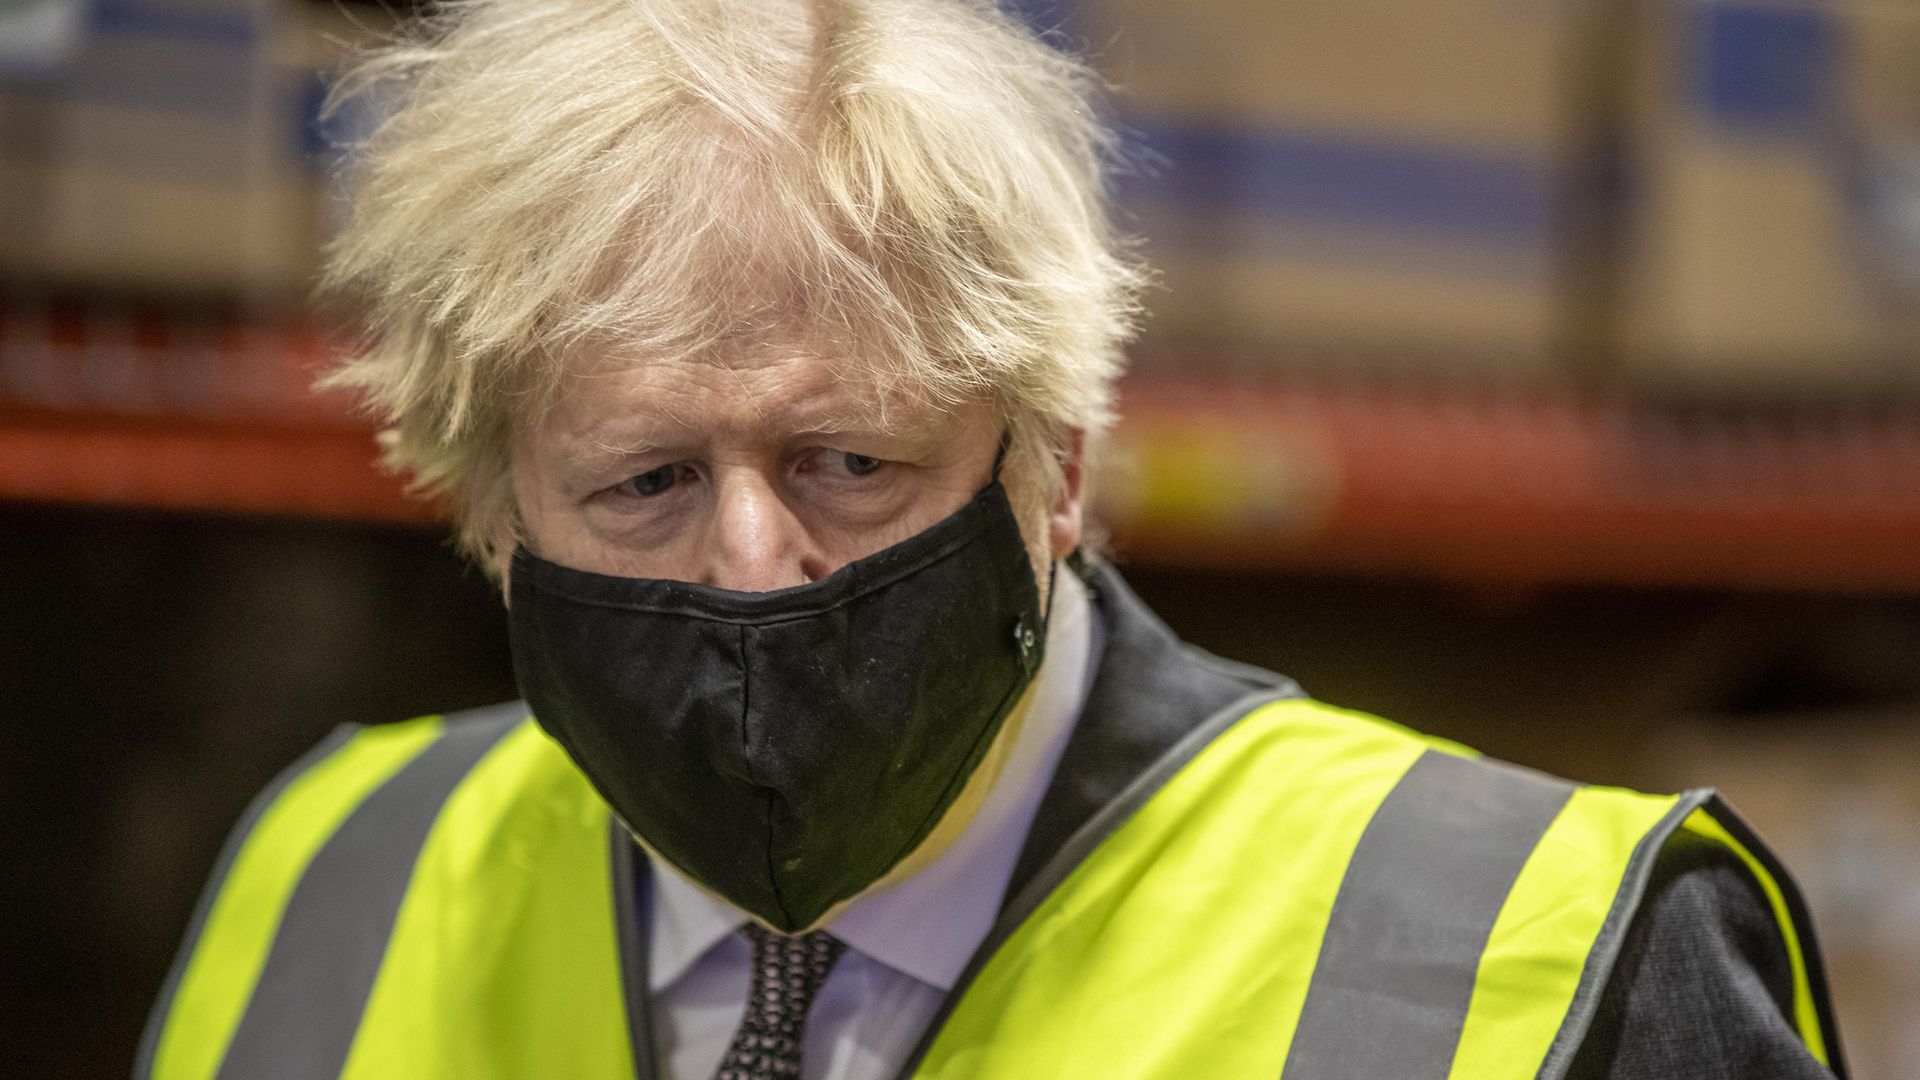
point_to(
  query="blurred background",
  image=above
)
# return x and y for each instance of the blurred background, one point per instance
(1540, 373)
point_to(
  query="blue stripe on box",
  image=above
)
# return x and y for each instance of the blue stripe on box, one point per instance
(184, 77)
(1489, 197)
(1762, 69)
(135, 17)
(156, 58)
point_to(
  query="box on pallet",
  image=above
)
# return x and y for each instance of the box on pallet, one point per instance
(1370, 182)
(1772, 225)
(170, 151)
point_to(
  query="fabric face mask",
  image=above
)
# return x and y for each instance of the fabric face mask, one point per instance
(786, 749)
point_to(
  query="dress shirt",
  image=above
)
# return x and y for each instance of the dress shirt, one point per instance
(908, 943)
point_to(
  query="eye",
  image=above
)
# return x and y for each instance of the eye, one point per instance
(860, 464)
(653, 482)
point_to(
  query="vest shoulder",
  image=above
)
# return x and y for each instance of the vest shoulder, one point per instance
(1576, 842)
(495, 754)
(1294, 720)
(365, 859)
(366, 757)
(1349, 866)
(1322, 749)
(1284, 753)
(1294, 724)
(492, 765)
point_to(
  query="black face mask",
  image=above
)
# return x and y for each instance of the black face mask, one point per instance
(786, 749)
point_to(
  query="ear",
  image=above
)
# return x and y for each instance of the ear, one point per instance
(1064, 517)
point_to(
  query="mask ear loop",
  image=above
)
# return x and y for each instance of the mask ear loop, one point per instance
(1053, 565)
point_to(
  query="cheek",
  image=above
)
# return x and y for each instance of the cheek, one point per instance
(836, 542)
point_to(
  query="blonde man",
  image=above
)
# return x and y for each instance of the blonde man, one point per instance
(758, 347)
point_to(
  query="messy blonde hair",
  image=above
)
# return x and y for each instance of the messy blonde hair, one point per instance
(917, 183)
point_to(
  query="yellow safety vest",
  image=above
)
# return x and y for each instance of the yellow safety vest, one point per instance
(1296, 891)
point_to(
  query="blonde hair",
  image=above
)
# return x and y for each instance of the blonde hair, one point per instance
(917, 183)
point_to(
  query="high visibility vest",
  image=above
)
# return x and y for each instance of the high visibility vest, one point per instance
(1295, 891)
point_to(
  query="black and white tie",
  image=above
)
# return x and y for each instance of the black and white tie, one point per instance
(787, 973)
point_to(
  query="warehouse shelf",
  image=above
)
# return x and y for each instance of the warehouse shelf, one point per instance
(1513, 486)
(189, 464)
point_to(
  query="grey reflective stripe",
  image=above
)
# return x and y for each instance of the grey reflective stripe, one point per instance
(307, 1004)
(633, 916)
(236, 839)
(1389, 993)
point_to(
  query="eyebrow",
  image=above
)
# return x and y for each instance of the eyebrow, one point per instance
(631, 436)
(598, 450)
(604, 452)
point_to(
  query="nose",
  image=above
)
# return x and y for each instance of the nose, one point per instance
(754, 541)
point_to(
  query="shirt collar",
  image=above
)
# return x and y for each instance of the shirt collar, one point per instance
(687, 922)
(928, 925)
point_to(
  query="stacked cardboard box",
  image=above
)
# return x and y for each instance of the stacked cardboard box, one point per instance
(1716, 196)
(170, 151)
(1773, 226)
(1368, 184)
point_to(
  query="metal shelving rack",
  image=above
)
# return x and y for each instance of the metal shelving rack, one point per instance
(112, 404)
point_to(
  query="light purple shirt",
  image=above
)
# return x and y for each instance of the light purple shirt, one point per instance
(907, 944)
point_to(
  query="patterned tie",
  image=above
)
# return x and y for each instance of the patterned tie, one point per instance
(787, 972)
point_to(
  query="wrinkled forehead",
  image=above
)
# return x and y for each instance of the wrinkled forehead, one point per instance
(766, 391)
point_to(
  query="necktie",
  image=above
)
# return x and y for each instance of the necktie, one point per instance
(787, 972)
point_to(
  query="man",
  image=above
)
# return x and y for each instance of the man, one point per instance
(761, 348)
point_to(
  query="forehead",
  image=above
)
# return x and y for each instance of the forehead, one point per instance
(769, 394)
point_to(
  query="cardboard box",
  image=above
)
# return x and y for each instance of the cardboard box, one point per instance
(169, 153)
(1373, 184)
(1773, 226)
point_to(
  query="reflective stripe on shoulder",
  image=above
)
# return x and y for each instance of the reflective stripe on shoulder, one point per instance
(1396, 972)
(1555, 922)
(211, 898)
(1703, 813)
(1314, 890)
(1477, 924)
(315, 876)
(241, 905)
(504, 959)
(1812, 1011)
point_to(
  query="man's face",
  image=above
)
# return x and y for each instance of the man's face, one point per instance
(751, 476)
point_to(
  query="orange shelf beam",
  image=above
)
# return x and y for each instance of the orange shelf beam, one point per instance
(1514, 487)
(198, 465)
